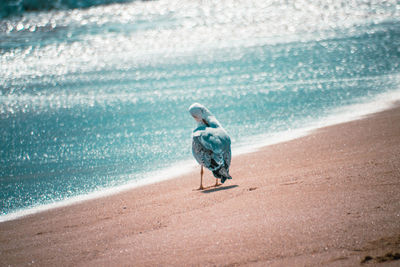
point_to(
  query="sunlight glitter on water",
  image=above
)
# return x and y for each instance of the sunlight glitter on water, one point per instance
(96, 98)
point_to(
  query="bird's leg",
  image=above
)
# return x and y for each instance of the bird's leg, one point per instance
(201, 178)
(216, 182)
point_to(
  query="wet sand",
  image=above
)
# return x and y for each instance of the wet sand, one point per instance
(330, 198)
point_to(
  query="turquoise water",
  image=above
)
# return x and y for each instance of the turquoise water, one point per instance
(96, 98)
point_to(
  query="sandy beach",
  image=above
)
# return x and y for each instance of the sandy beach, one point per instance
(330, 198)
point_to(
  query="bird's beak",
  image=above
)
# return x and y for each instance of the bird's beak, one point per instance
(205, 123)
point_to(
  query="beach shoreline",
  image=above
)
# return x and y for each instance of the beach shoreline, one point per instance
(330, 197)
(252, 144)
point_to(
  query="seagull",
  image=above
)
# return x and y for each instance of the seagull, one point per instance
(211, 145)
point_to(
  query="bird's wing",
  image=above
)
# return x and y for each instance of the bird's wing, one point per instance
(201, 153)
(227, 155)
(211, 147)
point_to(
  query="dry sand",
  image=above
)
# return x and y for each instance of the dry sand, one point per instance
(330, 198)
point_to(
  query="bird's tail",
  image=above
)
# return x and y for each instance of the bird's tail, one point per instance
(222, 173)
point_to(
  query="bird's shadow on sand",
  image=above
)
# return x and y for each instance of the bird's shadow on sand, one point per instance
(220, 188)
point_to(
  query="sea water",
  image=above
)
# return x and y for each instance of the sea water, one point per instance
(95, 97)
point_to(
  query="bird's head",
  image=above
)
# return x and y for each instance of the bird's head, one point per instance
(200, 113)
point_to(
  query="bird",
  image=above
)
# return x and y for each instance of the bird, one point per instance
(211, 144)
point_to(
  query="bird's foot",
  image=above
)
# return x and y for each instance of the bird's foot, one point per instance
(217, 184)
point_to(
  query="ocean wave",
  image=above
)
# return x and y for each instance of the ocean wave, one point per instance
(95, 98)
(17, 7)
